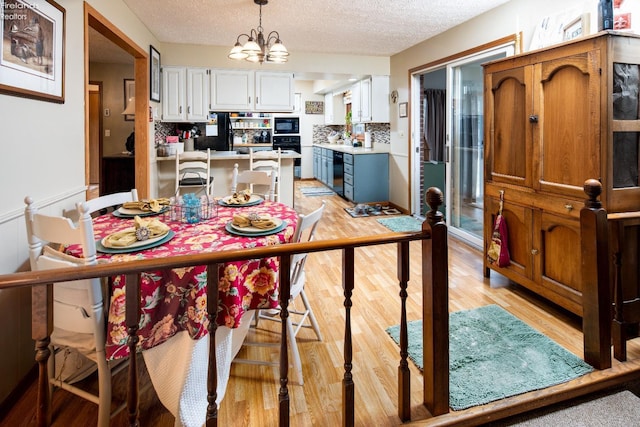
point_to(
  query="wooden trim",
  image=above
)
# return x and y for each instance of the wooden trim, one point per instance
(95, 20)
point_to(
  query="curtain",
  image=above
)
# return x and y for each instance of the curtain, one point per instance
(434, 123)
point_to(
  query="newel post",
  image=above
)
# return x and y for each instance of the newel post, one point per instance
(596, 298)
(435, 303)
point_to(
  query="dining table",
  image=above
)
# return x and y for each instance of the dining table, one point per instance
(173, 335)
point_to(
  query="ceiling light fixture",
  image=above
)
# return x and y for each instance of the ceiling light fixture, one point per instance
(257, 48)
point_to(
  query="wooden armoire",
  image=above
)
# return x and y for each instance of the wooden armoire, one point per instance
(555, 117)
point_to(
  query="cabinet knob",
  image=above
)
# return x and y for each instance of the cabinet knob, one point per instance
(534, 252)
(533, 118)
(568, 207)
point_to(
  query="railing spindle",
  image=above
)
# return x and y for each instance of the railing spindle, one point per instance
(41, 328)
(132, 320)
(348, 386)
(284, 290)
(212, 315)
(404, 375)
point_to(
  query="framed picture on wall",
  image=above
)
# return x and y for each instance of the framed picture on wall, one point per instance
(32, 57)
(402, 109)
(129, 94)
(154, 80)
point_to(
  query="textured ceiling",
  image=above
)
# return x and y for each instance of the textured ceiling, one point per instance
(364, 27)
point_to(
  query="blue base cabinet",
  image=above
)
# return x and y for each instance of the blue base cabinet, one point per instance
(366, 177)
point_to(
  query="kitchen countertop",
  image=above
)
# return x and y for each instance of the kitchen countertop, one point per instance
(226, 155)
(376, 149)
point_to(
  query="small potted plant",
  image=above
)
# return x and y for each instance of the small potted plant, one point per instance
(347, 127)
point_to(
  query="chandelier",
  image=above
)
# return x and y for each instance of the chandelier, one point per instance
(257, 48)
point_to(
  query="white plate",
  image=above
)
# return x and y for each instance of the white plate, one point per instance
(276, 221)
(124, 212)
(133, 245)
(253, 200)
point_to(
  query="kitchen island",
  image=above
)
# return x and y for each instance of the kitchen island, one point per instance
(222, 163)
(358, 174)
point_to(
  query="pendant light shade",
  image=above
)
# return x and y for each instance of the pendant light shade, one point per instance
(257, 48)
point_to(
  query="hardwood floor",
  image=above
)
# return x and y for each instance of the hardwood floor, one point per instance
(252, 394)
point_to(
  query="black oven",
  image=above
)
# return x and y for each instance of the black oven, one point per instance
(286, 125)
(289, 142)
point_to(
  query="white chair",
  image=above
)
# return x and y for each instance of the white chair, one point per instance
(193, 170)
(78, 309)
(258, 182)
(265, 161)
(299, 317)
(104, 203)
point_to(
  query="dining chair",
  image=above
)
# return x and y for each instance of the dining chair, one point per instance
(193, 170)
(299, 316)
(104, 203)
(258, 182)
(264, 161)
(79, 324)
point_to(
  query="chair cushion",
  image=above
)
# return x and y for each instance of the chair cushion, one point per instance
(194, 181)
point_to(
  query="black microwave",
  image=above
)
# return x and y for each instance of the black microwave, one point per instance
(286, 125)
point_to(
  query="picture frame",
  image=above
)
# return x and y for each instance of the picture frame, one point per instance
(154, 73)
(32, 59)
(402, 109)
(575, 28)
(314, 107)
(129, 92)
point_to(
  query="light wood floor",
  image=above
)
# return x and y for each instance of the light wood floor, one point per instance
(252, 394)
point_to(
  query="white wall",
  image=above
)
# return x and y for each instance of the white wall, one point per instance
(511, 18)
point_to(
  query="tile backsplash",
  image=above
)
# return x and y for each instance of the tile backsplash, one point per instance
(380, 132)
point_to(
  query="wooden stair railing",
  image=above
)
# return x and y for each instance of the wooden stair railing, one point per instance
(608, 312)
(435, 313)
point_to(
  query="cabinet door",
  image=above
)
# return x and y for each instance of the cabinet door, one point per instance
(519, 220)
(173, 94)
(197, 94)
(508, 131)
(328, 109)
(557, 259)
(567, 136)
(356, 108)
(274, 91)
(232, 90)
(365, 100)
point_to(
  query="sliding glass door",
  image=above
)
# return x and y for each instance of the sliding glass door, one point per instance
(462, 156)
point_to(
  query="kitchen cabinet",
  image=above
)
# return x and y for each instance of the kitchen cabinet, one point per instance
(235, 90)
(334, 110)
(551, 123)
(186, 94)
(370, 100)
(274, 91)
(317, 161)
(232, 90)
(366, 177)
(326, 167)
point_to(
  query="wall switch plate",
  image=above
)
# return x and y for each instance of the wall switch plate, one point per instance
(107, 132)
(107, 112)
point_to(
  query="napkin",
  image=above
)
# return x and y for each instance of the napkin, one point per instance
(239, 198)
(253, 220)
(143, 230)
(151, 205)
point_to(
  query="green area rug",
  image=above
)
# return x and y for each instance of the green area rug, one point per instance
(401, 224)
(494, 355)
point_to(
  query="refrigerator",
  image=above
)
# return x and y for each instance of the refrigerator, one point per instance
(217, 134)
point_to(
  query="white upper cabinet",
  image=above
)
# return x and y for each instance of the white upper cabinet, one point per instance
(274, 91)
(232, 90)
(174, 98)
(185, 94)
(334, 110)
(197, 94)
(370, 100)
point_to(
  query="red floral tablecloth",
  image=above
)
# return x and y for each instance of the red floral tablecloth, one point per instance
(175, 300)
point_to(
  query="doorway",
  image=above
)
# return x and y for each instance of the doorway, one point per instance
(95, 21)
(448, 139)
(95, 139)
